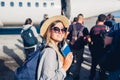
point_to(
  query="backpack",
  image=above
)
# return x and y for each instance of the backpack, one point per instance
(28, 37)
(116, 26)
(111, 58)
(76, 35)
(28, 71)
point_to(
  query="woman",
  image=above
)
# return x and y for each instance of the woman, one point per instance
(29, 37)
(53, 65)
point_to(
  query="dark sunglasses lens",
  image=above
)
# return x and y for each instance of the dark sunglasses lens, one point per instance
(64, 29)
(56, 29)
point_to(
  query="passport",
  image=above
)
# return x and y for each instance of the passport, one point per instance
(65, 49)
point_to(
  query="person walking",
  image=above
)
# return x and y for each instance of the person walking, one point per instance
(111, 63)
(45, 17)
(69, 34)
(110, 21)
(29, 36)
(53, 65)
(79, 39)
(96, 47)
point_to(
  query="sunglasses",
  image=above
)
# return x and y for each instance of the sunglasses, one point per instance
(57, 30)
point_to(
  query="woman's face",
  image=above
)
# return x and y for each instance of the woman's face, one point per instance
(58, 32)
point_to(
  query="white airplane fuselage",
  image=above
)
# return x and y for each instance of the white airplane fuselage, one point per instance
(14, 12)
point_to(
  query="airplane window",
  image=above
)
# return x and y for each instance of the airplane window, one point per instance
(20, 4)
(2, 4)
(11, 4)
(44, 4)
(29, 4)
(37, 4)
(52, 4)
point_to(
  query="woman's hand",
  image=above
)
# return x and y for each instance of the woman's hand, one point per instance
(67, 61)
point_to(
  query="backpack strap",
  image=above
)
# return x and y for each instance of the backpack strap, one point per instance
(80, 33)
(74, 33)
(26, 29)
(29, 27)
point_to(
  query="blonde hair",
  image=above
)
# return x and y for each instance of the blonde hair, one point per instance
(47, 34)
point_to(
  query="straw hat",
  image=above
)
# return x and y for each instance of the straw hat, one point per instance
(52, 19)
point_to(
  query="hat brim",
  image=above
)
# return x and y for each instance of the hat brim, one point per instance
(52, 19)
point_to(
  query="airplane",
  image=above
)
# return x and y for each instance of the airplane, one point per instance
(14, 12)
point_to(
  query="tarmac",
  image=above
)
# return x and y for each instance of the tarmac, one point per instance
(11, 55)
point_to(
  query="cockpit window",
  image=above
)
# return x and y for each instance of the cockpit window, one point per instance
(20, 4)
(2, 4)
(29, 4)
(11, 4)
(44, 4)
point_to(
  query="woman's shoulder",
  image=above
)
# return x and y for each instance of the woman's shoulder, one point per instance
(49, 50)
(49, 53)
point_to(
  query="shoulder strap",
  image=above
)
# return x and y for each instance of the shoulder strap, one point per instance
(30, 27)
(74, 32)
(82, 28)
(27, 29)
(80, 33)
